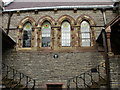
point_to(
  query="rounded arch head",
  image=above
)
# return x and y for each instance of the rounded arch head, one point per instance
(44, 19)
(86, 18)
(25, 20)
(66, 18)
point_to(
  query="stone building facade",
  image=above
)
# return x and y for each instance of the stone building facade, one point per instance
(39, 62)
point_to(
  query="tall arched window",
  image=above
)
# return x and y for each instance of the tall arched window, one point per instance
(85, 34)
(27, 34)
(46, 32)
(65, 33)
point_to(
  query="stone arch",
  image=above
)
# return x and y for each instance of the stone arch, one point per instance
(21, 32)
(87, 18)
(91, 22)
(66, 17)
(59, 23)
(46, 18)
(40, 23)
(27, 19)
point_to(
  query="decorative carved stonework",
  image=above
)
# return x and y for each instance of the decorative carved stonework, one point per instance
(46, 18)
(108, 29)
(55, 40)
(66, 17)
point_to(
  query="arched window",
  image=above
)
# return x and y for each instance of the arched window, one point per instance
(85, 33)
(65, 33)
(46, 31)
(27, 29)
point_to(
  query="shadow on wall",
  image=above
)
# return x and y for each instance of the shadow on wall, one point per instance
(115, 38)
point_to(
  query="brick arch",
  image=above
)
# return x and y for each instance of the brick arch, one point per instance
(85, 17)
(66, 17)
(27, 19)
(46, 18)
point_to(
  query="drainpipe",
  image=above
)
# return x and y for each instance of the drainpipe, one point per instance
(104, 17)
(107, 63)
(9, 20)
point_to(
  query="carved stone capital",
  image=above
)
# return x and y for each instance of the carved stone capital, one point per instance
(108, 29)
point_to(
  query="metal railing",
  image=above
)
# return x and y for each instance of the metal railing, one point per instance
(18, 77)
(87, 79)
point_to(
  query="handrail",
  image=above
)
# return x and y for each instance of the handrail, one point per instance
(21, 79)
(81, 81)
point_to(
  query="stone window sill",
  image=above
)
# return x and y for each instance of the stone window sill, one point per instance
(22, 49)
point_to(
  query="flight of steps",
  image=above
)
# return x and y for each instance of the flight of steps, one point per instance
(14, 79)
(100, 84)
(10, 83)
(92, 79)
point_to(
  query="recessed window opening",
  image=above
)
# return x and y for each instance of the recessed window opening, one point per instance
(66, 28)
(27, 29)
(85, 34)
(46, 33)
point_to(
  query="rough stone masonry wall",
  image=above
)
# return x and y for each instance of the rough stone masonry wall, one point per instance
(115, 72)
(96, 15)
(0, 48)
(46, 69)
(42, 66)
(1, 20)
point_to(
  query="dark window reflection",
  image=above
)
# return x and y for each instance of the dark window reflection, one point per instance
(27, 35)
(45, 41)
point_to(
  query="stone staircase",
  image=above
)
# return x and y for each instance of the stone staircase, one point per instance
(13, 79)
(100, 84)
(44, 68)
(94, 78)
(10, 83)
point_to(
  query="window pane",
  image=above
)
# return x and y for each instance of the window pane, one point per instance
(85, 42)
(45, 42)
(85, 33)
(27, 35)
(46, 31)
(65, 33)
(85, 27)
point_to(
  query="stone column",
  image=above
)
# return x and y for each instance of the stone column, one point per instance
(20, 37)
(108, 33)
(38, 38)
(59, 43)
(76, 37)
(93, 40)
(55, 38)
(52, 39)
(72, 37)
(34, 39)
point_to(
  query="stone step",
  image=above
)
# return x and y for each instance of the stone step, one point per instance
(101, 83)
(10, 83)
